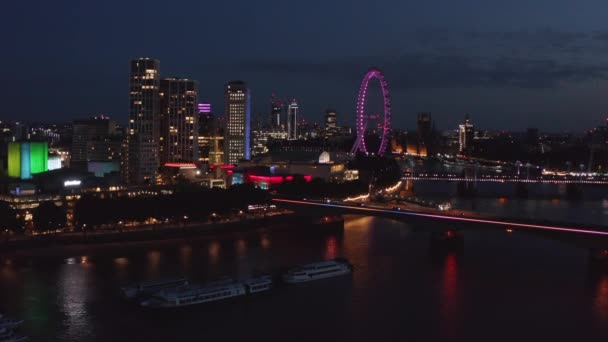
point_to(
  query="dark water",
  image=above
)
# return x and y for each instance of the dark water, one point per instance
(505, 287)
(546, 202)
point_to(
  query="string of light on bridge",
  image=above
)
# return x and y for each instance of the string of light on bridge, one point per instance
(502, 179)
(452, 218)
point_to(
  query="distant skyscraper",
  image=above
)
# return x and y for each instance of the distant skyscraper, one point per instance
(179, 120)
(276, 110)
(424, 143)
(238, 122)
(465, 136)
(331, 119)
(331, 122)
(144, 122)
(292, 120)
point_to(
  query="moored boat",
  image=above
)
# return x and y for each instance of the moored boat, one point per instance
(193, 294)
(317, 270)
(9, 323)
(8, 335)
(148, 288)
(210, 292)
(258, 284)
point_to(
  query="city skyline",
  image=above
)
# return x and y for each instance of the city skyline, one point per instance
(507, 69)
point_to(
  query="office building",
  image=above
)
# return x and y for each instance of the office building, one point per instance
(331, 122)
(238, 120)
(276, 111)
(424, 136)
(465, 136)
(178, 120)
(292, 120)
(142, 157)
(210, 136)
(94, 139)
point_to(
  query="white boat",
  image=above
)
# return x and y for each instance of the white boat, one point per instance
(258, 284)
(9, 323)
(8, 335)
(194, 294)
(317, 270)
(209, 292)
(150, 287)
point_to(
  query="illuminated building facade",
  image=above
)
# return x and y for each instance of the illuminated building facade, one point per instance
(331, 122)
(276, 111)
(27, 158)
(142, 157)
(210, 136)
(178, 120)
(237, 131)
(424, 141)
(465, 136)
(292, 120)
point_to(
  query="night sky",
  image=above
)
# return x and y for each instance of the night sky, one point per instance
(510, 64)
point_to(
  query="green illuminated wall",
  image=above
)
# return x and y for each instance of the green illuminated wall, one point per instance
(14, 160)
(27, 158)
(39, 157)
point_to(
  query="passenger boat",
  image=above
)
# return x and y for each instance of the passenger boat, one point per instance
(8, 335)
(150, 287)
(9, 323)
(258, 284)
(210, 292)
(318, 270)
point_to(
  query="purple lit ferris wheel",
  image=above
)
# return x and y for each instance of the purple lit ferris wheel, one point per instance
(363, 118)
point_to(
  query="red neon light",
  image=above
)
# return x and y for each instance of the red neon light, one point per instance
(289, 178)
(223, 166)
(308, 178)
(180, 165)
(266, 179)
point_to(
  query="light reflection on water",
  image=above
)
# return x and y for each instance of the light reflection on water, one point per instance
(75, 299)
(153, 264)
(185, 258)
(73, 294)
(265, 241)
(601, 298)
(331, 248)
(450, 296)
(214, 252)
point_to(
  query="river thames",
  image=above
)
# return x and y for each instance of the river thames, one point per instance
(504, 287)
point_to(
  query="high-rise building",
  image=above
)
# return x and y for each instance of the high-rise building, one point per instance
(205, 129)
(210, 136)
(144, 122)
(179, 120)
(292, 120)
(424, 141)
(331, 122)
(94, 139)
(465, 136)
(276, 111)
(331, 119)
(238, 122)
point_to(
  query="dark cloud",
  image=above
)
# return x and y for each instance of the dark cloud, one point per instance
(459, 59)
(445, 71)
